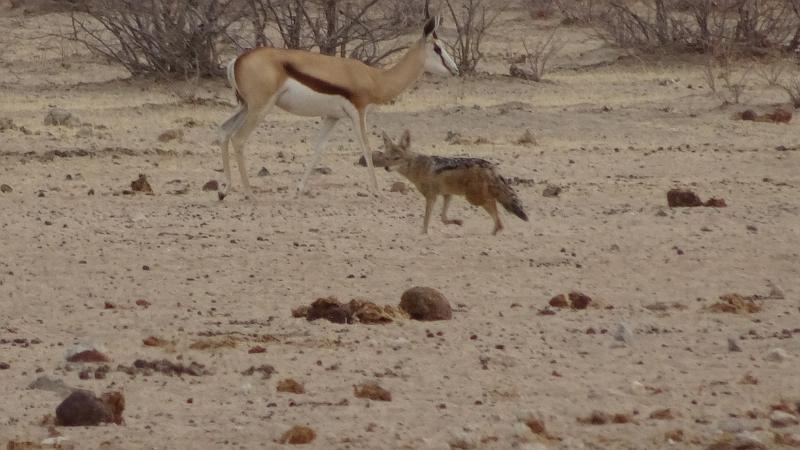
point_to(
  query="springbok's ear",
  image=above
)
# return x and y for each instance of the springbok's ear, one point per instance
(387, 141)
(405, 140)
(430, 27)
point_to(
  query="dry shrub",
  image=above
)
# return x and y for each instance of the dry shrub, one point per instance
(364, 30)
(159, 36)
(785, 76)
(726, 74)
(472, 19)
(537, 56)
(751, 25)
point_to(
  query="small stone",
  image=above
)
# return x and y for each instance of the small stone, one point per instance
(638, 388)
(142, 302)
(733, 346)
(748, 114)
(399, 186)
(780, 115)
(290, 385)
(782, 419)
(551, 191)
(372, 391)
(559, 301)
(170, 135)
(461, 440)
(776, 355)
(623, 334)
(4, 366)
(323, 170)
(424, 303)
(527, 138)
(212, 185)
(682, 198)
(257, 349)
(662, 414)
(82, 408)
(579, 300)
(5, 189)
(141, 185)
(714, 202)
(263, 172)
(298, 434)
(61, 117)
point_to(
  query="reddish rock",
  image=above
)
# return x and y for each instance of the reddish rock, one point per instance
(559, 301)
(88, 356)
(290, 385)
(423, 303)
(298, 434)
(212, 185)
(579, 300)
(141, 185)
(682, 198)
(330, 309)
(714, 202)
(372, 391)
(257, 349)
(749, 114)
(143, 303)
(82, 408)
(780, 115)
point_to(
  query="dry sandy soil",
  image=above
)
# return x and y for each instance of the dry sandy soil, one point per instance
(615, 137)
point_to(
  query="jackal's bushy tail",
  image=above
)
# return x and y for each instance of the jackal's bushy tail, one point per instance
(507, 197)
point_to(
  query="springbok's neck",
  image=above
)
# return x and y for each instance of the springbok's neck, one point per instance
(396, 79)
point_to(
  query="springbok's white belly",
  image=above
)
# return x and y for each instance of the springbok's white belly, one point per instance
(299, 99)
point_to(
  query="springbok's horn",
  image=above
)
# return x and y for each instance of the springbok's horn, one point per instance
(427, 9)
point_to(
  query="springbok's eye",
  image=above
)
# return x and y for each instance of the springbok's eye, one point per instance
(437, 49)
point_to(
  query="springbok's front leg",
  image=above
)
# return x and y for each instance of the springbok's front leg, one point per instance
(360, 127)
(319, 146)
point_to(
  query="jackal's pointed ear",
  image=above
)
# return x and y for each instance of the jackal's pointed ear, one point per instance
(387, 141)
(405, 140)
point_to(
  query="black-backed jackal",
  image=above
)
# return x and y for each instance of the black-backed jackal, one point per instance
(474, 178)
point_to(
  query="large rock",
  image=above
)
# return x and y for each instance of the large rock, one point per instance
(677, 198)
(423, 303)
(82, 408)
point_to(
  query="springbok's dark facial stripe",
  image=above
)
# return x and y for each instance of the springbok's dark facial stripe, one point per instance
(438, 51)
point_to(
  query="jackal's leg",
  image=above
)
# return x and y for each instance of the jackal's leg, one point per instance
(360, 127)
(491, 207)
(319, 146)
(429, 201)
(445, 220)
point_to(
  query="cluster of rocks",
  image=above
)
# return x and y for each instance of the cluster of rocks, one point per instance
(417, 303)
(678, 198)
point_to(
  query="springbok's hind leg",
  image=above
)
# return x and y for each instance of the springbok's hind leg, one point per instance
(319, 146)
(227, 129)
(445, 220)
(239, 138)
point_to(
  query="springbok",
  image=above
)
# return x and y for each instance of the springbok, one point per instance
(316, 85)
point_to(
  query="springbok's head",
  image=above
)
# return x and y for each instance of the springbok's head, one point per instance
(437, 60)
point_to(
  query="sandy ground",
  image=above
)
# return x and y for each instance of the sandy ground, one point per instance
(615, 138)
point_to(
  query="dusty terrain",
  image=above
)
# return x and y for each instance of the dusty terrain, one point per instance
(615, 137)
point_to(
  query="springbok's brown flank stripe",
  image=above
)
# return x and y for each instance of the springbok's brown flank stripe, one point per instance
(316, 84)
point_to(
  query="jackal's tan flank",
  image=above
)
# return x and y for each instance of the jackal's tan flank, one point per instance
(474, 178)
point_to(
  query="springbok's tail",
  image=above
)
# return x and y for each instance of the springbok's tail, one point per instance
(507, 197)
(237, 119)
(231, 73)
